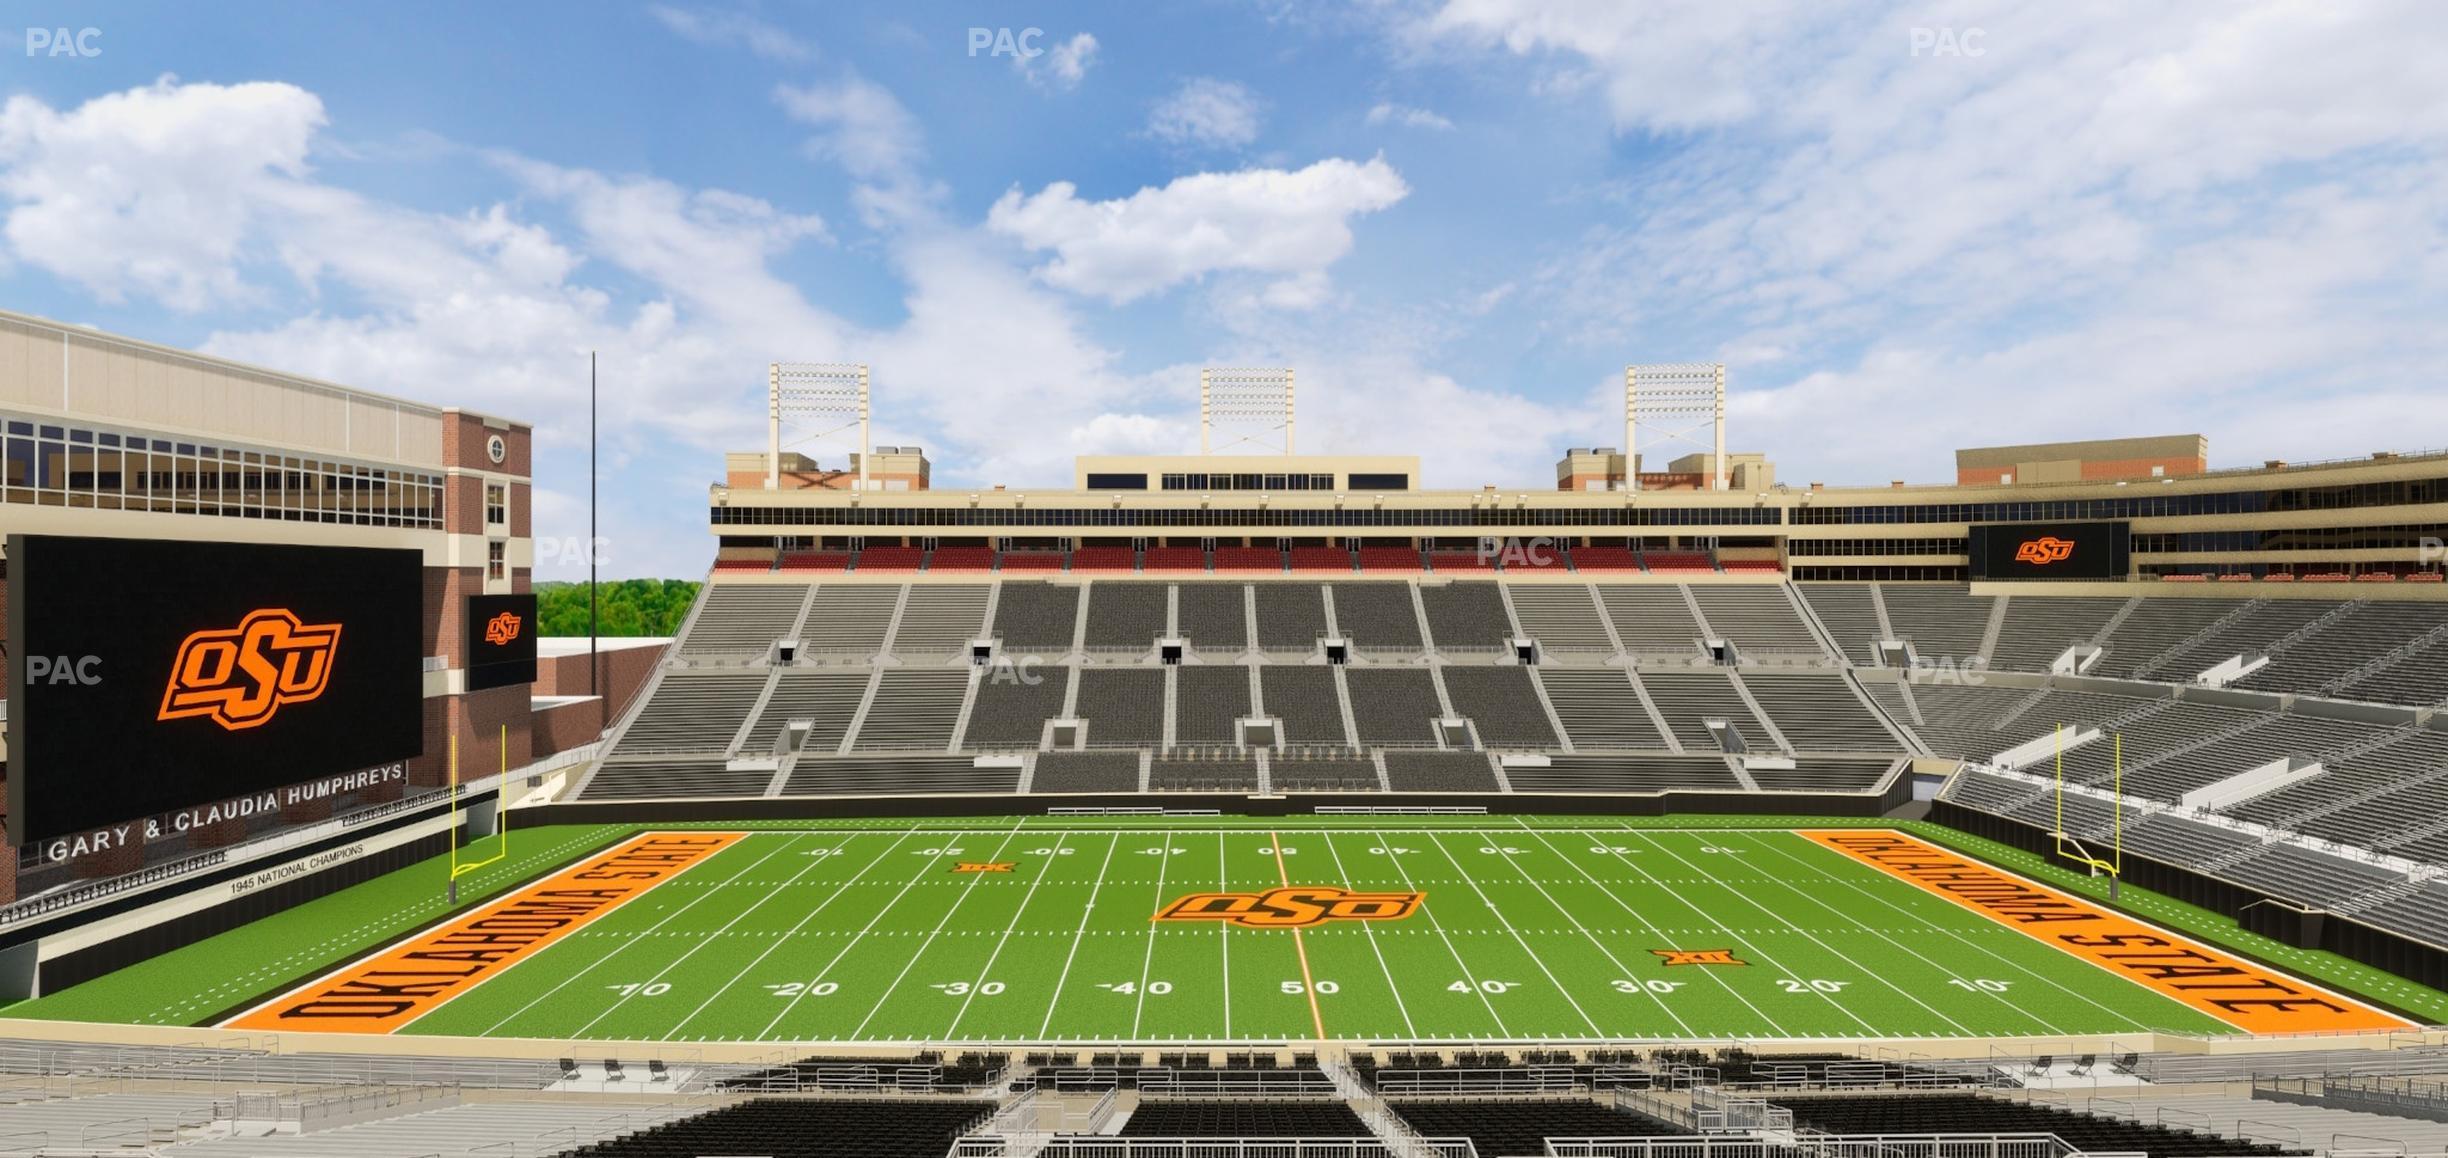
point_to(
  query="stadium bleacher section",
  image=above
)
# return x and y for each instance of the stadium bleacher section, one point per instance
(2221, 778)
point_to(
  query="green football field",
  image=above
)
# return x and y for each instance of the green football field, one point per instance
(1524, 933)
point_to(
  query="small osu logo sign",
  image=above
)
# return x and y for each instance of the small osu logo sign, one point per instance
(240, 676)
(1292, 907)
(502, 628)
(1699, 956)
(2044, 550)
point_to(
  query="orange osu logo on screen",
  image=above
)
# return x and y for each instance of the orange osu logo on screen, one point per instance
(502, 628)
(1292, 907)
(239, 677)
(2044, 550)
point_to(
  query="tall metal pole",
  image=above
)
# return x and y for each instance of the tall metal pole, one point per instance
(603, 711)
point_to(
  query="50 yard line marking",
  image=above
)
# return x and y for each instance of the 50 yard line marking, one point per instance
(1317, 1019)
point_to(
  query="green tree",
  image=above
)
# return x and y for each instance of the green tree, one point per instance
(627, 607)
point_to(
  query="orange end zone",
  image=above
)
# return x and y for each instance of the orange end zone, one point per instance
(384, 992)
(2247, 996)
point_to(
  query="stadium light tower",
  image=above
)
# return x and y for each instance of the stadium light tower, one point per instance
(1245, 405)
(827, 398)
(1670, 402)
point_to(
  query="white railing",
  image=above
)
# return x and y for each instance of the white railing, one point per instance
(987, 1146)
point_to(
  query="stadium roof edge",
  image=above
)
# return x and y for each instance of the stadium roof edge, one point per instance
(308, 381)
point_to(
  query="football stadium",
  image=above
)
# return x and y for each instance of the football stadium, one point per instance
(1264, 804)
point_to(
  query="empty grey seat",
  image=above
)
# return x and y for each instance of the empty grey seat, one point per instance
(1501, 703)
(1376, 616)
(1291, 616)
(1214, 617)
(1035, 616)
(1207, 701)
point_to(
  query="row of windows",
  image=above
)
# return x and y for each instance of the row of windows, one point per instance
(2412, 537)
(65, 466)
(1876, 547)
(1880, 574)
(1204, 517)
(1241, 482)
(2143, 506)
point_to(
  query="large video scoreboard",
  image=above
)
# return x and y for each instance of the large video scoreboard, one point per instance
(2050, 550)
(148, 676)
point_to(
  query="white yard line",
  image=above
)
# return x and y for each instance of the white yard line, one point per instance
(1969, 942)
(1747, 945)
(949, 911)
(1813, 938)
(1369, 928)
(1862, 927)
(1429, 912)
(784, 939)
(1575, 922)
(702, 941)
(626, 942)
(925, 867)
(1139, 1002)
(953, 1031)
(1654, 931)
(1224, 934)
(1518, 939)
(1077, 936)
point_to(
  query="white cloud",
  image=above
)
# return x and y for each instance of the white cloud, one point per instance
(1062, 66)
(2115, 220)
(155, 192)
(864, 128)
(1288, 224)
(735, 29)
(860, 124)
(1206, 112)
(1388, 113)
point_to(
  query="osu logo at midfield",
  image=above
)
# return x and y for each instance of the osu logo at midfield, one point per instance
(1292, 907)
(502, 628)
(2044, 550)
(240, 676)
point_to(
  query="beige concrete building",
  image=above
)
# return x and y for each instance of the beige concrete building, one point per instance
(2099, 460)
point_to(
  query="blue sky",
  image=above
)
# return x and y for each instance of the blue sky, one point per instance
(1906, 228)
